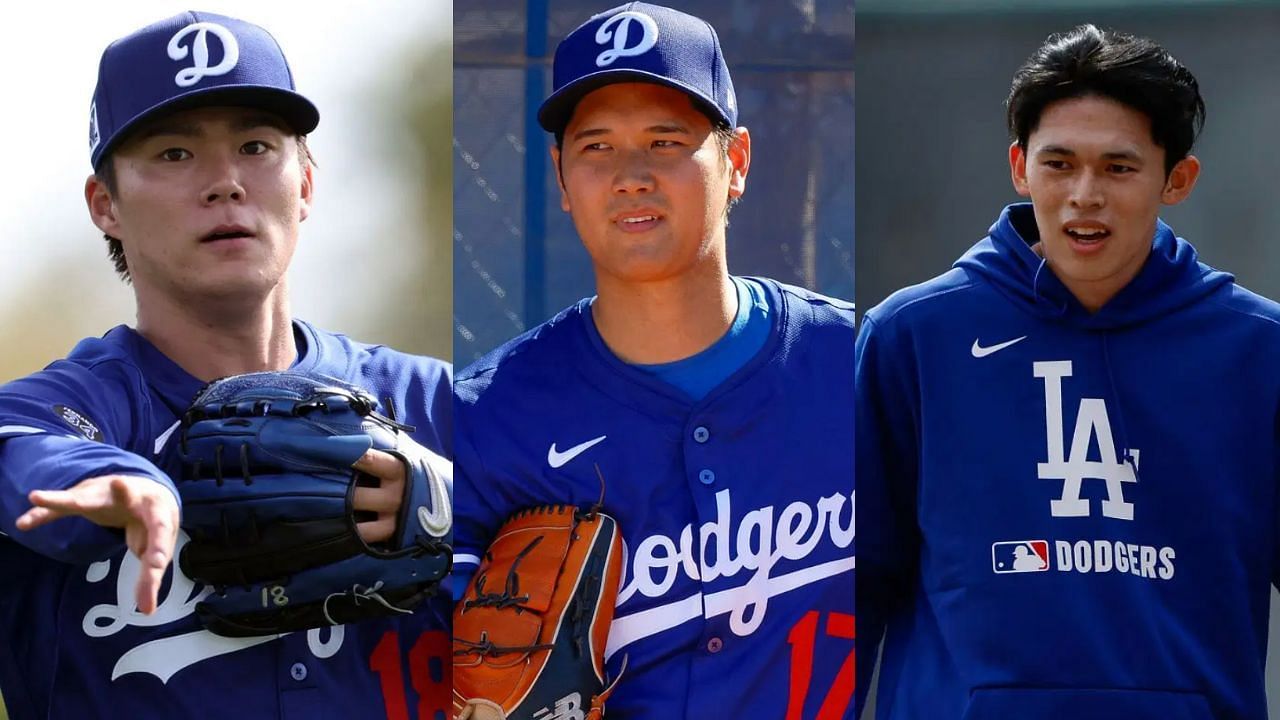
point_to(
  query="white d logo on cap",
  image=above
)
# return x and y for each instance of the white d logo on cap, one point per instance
(622, 34)
(200, 52)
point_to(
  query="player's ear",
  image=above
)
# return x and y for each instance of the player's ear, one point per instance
(1018, 169)
(102, 209)
(739, 152)
(564, 196)
(1181, 180)
(308, 186)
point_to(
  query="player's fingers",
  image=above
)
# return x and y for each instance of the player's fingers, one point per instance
(65, 501)
(103, 500)
(49, 505)
(380, 464)
(135, 536)
(37, 516)
(147, 591)
(385, 499)
(464, 715)
(376, 531)
(123, 495)
(153, 562)
(159, 516)
(158, 531)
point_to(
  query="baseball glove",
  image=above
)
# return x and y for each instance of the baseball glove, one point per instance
(267, 491)
(529, 636)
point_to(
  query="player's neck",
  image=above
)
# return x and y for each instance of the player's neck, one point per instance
(1093, 294)
(212, 339)
(666, 320)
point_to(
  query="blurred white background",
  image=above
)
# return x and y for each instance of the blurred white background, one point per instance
(374, 259)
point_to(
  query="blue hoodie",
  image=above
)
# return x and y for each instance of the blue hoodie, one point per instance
(1066, 515)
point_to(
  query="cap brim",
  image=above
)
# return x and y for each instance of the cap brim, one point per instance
(556, 110)
(294, 109)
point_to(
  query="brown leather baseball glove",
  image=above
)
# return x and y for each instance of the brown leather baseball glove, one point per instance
(529, 635)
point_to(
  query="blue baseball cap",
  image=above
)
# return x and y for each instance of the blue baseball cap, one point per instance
(639, 42)
(189, 60)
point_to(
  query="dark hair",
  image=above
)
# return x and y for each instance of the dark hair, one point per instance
(1131, 70)
(725, 137)
(106, 173)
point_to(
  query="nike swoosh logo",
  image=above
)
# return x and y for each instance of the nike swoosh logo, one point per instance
(979, 352)
(556, 459)
(438, 520)
(164, 436)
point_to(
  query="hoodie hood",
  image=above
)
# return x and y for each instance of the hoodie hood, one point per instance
(1171, 277)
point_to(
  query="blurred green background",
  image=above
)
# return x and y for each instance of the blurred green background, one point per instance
(375, 257)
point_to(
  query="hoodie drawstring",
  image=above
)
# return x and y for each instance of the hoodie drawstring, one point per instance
(1122, 431)
(1060, 308)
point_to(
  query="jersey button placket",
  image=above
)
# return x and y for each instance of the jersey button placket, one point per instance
(298, 671)
(695, 455)
(715, 645)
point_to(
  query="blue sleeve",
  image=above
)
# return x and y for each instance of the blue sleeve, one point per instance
(441, 403)
(476, 515)
(421, 396)
(886, 401)
(58, 427)
(1275, 528)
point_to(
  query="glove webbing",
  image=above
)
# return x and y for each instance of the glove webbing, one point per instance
(508, 598)
(485, 647)
(218, 476)
(362, 406)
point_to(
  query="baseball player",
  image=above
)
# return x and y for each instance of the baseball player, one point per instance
(201, 178)
(1067, 453)
(718, 409)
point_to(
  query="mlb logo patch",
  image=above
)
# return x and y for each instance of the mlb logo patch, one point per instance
(94, 136)
(1019, 556)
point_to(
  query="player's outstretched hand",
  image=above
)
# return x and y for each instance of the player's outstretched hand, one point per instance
(147, 510)
(385, 500)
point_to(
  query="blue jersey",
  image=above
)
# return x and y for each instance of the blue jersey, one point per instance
(736, 509)
(73, 643)
(1065, 514)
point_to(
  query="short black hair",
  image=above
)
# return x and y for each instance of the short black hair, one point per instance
(1133, 71)
(106, 174)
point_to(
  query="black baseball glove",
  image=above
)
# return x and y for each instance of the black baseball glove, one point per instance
(267, 492)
